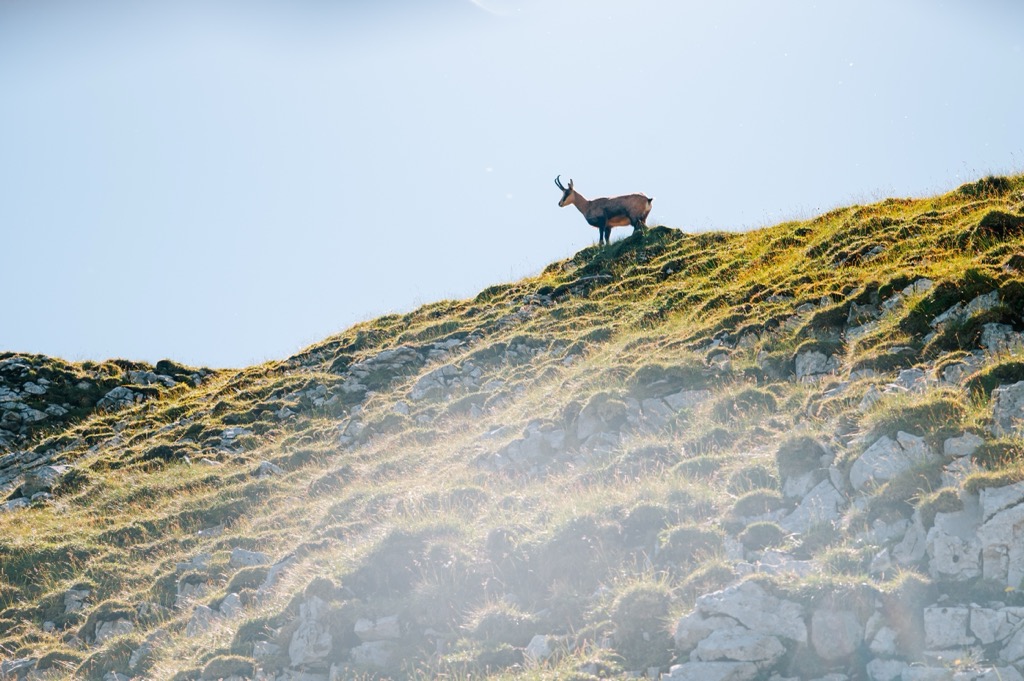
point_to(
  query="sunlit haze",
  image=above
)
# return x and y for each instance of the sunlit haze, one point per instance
(225, 182)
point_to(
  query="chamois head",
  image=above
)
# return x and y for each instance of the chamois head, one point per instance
(566, 192)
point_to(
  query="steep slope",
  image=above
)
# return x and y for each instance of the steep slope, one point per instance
(791, 451)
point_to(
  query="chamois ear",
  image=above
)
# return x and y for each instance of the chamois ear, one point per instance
(570, 184)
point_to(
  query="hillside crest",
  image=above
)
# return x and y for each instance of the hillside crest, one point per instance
(790, 453)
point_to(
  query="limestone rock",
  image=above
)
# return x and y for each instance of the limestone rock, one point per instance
(887, 458)
(886, 670)
(312, 641)
(1002, 542)
(540, 647)
(242, 558)
(382, 629)
(42, 479)
(712, 671)
(110, 628)
(822, 504)
(749, 604)
(1008, 409)
(691, 629)
(230, 606)
(813, 364)
(378, 654)
(946, 627)
(203, 618)
(954, 548)
(835, 634)
(739, 644)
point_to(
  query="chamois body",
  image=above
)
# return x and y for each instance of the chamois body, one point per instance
(605, 213)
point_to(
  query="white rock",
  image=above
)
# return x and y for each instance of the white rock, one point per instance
(996, 499)
(312, 640)
(1008, 409)
(1000, 674)
(713, 671)
(989, 625)
(835, 634)
(242, 558)
(1002, 542)
(540, 648)
(946, 627)
(382, 629)
(230, 606)
(887, 458)
(752, 606)
(822, 504)
(927, 674)
(14, 504)
(739, 644)
(813, 364)
(379, 654)
(996, 337)
(922, 285)
(884, 642)
(691, 629)
(885, 670)
(202, 619)
(799, 486)
(914, 545)
(964, 445)
(954, 549)
(111, 628)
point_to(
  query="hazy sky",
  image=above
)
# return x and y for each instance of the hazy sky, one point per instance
(224, 182)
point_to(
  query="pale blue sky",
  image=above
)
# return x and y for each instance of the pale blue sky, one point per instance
(224, 182)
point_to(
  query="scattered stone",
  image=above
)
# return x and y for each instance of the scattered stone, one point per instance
(835, 634)
(739, 644)
(713, 671)
(1008, 409)
(312, 640)
(242, 558)
(382, 629)
(110, 628)
(887, 458)
(540, 648)
(750, 605)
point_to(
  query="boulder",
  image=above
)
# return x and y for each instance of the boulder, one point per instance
(382, 629)
(242, 558)
(42, 479)
(953, 545)
(886, 670)
(377, 654)
(1008, 409)
(835, 634)
(1002, 546)
(203, 618)
(691, 629)
(813, 364)
(312, 641)
(540, 647)
(887, 458)
(108, 629)
(712, 671)
(822, 504)
(946, 627)
(749, 604)
(739, 644)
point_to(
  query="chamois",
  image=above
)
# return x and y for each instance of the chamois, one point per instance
(606, 213)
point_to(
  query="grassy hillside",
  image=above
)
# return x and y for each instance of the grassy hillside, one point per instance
(541, 481)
